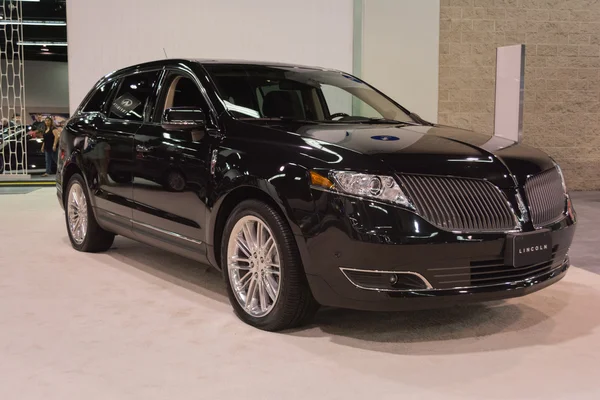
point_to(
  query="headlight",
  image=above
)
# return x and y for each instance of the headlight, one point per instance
(376, 187)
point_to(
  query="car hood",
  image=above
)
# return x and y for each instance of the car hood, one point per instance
(436, 150)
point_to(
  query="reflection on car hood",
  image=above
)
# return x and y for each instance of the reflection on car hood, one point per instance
(437, 150)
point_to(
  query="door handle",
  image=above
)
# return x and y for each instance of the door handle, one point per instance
(142, 149)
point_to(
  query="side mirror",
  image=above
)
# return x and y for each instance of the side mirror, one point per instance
(184, 116)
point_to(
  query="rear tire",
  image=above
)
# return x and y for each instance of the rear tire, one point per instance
(84, 232)
(261, 265)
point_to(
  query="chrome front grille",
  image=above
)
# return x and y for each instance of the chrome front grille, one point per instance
(546, 197)
(459, 204)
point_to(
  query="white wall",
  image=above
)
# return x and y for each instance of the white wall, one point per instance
(46, 87)
(400, 51)
(105, 35)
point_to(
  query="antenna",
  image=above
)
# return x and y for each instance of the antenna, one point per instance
(166, 56)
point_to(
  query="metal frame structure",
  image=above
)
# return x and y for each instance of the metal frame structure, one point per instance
(13, 146)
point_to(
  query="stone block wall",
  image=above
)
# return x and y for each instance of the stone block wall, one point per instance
(562, 74)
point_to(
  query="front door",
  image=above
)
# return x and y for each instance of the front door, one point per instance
(172, 171)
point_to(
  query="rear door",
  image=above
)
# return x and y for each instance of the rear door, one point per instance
(112, 145)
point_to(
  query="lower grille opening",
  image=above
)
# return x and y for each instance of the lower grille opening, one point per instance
(386, 280)
(489, 272)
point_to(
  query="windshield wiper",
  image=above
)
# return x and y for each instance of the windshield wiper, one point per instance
(354, 120)
(285, 119)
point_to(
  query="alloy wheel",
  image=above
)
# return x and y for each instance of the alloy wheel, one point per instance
(77, 213)
(254, 266)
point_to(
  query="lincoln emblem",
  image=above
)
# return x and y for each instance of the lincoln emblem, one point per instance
(533, 249)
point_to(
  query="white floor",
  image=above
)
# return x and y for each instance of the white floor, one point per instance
(138, 323)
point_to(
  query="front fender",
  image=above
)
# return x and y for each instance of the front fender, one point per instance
(289, 189)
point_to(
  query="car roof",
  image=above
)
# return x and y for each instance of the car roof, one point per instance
(211, 61)
(259, 63)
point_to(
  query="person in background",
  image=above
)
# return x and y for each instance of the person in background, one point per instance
(16, 120)
(50, 144)
(38, 123)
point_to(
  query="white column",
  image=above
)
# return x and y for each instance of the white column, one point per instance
(510, 84)
(13, 154)
(400, 50)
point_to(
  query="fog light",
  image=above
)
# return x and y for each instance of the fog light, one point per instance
(393, 279)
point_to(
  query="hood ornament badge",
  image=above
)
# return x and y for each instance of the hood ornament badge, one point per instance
(522, 208)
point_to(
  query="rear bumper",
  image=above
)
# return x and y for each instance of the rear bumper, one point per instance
(395, 240)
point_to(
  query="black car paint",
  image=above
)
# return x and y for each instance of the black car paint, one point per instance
(236, 159)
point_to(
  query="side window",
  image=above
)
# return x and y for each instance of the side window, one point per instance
(131, 99)
(183, 92)
(98, 99)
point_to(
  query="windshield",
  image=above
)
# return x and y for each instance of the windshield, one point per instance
(259, 92)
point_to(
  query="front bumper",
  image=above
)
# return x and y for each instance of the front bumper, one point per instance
(366, 236)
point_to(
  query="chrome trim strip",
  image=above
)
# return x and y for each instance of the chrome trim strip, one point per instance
(165, 232)
(481, 231)
(425, 281)
(509, 282)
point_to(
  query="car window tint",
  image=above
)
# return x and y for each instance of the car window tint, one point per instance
(275, 100)
(98, 99)
(133, 95)
(294, 96)
(239, 95)
(183, 92)
(255, 91)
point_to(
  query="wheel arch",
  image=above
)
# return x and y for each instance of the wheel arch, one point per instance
(225, 206)
(71, 167)
(271, 193)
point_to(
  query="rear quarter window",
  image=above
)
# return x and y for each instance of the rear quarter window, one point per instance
(133, 95)
(98, 99)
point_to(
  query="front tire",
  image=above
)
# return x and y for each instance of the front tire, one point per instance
(84, 232)
(261, 265)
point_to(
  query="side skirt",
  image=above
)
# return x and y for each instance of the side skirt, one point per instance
(153, 236)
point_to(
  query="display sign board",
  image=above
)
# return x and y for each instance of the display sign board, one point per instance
(510, 84)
